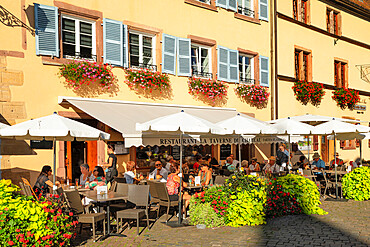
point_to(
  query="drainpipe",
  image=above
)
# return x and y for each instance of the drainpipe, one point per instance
(276, 115)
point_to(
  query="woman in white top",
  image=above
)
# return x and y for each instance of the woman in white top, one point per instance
(86, 175)
(130, 173)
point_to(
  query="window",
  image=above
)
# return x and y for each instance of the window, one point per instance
(245, 7)
(302, 62)
(142, 50)
(333, 21)
(301, 10)
(246, 69)
(340, 74)
(205, 1)
(201, 61)
(78, 38)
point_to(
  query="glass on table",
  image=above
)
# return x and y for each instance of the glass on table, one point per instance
(76, 182)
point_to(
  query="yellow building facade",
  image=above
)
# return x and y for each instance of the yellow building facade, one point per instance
(326, 42)
(37, 39)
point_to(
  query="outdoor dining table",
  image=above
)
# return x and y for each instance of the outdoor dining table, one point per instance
(72, 188)
(106, 198)
(338, 172)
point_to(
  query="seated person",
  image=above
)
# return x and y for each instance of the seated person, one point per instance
(318, 164)
(275, 168)
(196, 165)
(230, 165)
(130, 173)
(301, 164)
(244, 167)
(86, 175)
(159, 172)
(268, 167)
(255, 166)
(99, 179)
(337, 160)
(205, 174)
(173, 184)
(170, 161)
(43, 183)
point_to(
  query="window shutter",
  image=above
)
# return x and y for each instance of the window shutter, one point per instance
(223, 64)
(125, 46)
(339, 24)
(183, 57)
(232, 4)
(263, 7)
(221, 3)
(315, 143)
(264, 71)
(46, 25)
(233, 66)
(113, 42)
(169, 54)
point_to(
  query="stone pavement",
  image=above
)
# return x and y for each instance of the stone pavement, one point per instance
(347, 224)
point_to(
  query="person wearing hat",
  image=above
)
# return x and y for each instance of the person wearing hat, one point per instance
(282, 156)
(337, 160)
(317, 164)
(254, 166)
(271, 166)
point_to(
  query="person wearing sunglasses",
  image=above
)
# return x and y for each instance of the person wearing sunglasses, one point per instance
(159, 172)
(99, 180)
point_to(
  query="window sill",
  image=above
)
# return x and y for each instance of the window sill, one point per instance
(56, 61)
(247, 18)
(202, 5)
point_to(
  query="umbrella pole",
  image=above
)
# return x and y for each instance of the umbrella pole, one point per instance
(240, 153)
(335, 165)
(54, 161)
(180, 197)
(308, 149)
(360, 153)
(289, 152)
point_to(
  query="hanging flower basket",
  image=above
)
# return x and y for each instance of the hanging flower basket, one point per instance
(147, 80)
(79, 73)
(306, 92)
(209, 88)
(346, 98)
(255, 95)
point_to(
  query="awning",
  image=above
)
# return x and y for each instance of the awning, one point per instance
(123, 116)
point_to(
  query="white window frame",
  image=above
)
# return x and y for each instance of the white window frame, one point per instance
(251, 7)
(141, 57)
(195, 45)
(243, 66)
(77, 35)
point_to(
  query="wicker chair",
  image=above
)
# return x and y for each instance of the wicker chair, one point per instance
(74, 202)
(220, 180)
(121, 188)
(164, 199)
(138, 195)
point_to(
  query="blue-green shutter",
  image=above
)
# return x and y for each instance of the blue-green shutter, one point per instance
(233, 5)
(46, 25)
(183, 57)
(222, 3)
(223, 64)
(233, 66)
(263, 9)
(125, 46)
(264, 71)
(169, 54)
(113, 42)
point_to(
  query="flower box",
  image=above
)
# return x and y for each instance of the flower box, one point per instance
(147, 80)
(209, 88)
(255, 95)
(346, 98)
(308, 92)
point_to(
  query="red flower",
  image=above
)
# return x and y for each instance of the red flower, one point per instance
(10, 243)
(70, 214)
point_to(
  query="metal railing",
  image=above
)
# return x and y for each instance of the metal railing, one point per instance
(144, 66)
(203, 74)
(246, 81)
(79, 56)
(245, 11)
(205, 1)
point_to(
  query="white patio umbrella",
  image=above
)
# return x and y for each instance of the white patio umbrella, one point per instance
(288, 126)
(181, 123)
(336, 127)
(55, 128)
(245, 125)
(315, 118)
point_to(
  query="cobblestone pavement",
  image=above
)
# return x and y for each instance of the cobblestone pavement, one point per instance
(347, 224)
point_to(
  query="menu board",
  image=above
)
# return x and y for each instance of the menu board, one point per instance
(225, 151)
(176, 152)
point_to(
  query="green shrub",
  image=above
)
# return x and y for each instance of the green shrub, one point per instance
(203, 213)
(356, 184)
(304, 190)
(25, 222)
(240, 182)
(247, 208)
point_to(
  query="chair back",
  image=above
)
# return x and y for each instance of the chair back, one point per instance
(28, 189)
(120, 180)
(152, 189)
(307, 172)
(60, 192)
(23, 189)
(122, 188)
(139, 195)
(74, 201)
(113, 186)
(220, 180)
(162, 191)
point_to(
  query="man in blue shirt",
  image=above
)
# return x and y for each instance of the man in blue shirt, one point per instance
(318, 164)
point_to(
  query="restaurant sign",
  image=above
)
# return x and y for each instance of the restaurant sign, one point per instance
(360, 107)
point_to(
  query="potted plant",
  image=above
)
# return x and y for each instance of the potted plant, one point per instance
(147, 80)
(306, 92)
(255, 95)
(346, 98)
(209, 88)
